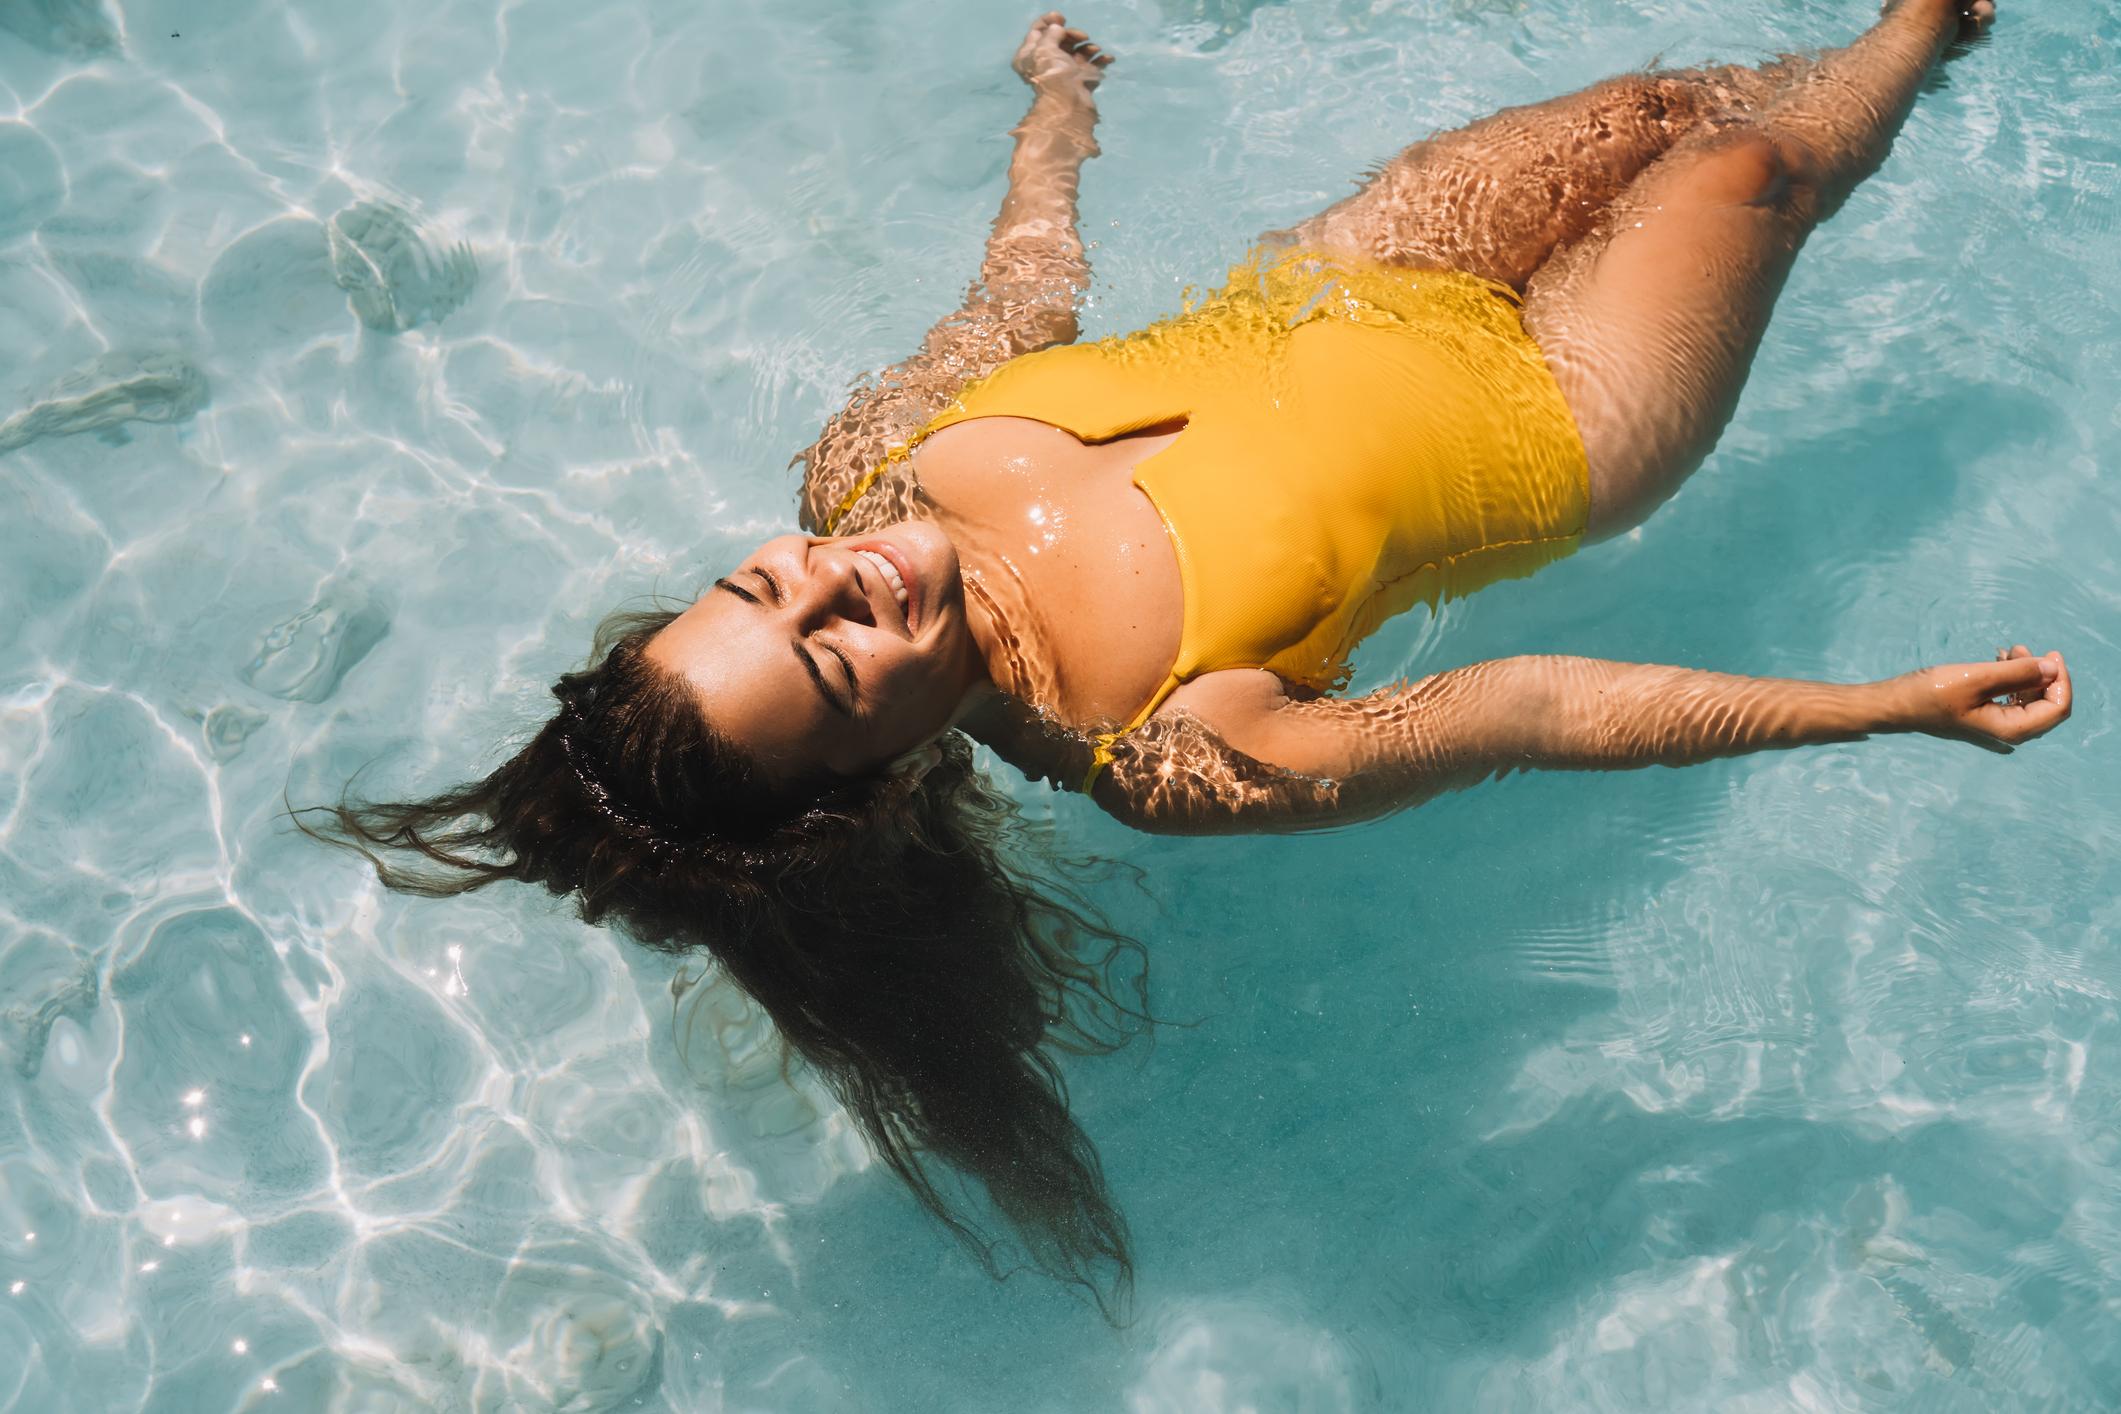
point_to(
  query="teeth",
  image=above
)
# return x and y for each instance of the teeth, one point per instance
(890, 573)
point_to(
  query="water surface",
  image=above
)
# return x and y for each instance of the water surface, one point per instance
(360, 357)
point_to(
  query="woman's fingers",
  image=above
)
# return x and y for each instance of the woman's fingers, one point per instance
(1985, 681)
(2019, 650)
(2059, 691)
(2053, 682)
(2037, 690)
(1077, 42)
(2015, 722)
(1051, 50)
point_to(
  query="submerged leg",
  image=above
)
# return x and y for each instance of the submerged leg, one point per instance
(1496, 197)
(1650, 322)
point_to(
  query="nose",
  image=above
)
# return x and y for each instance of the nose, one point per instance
(831, 588)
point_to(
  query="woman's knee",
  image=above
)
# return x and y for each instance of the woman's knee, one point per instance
(1748, 165)
(1744, 167)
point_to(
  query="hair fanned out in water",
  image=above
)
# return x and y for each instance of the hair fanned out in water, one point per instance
(881, 923)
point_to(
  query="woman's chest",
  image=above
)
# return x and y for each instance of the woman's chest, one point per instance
(1073, 559)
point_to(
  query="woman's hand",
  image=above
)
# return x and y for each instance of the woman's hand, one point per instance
(1060, 62)
(1997, 705)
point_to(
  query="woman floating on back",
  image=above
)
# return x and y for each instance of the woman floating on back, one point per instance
(1137, 567)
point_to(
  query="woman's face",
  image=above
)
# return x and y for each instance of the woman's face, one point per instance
(840, 653)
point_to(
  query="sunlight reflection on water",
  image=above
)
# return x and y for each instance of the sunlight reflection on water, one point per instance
(363, 356)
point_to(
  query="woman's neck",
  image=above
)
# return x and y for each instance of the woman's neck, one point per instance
(1010, 711)
(1009, 707)
(994, 632)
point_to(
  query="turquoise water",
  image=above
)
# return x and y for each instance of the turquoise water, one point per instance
(358, 358)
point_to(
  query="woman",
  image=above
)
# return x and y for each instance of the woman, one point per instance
(1138, 567)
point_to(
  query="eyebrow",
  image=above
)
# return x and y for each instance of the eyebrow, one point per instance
(738, 590)
(817, 677)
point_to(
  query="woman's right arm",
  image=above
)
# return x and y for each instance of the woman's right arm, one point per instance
(1239, 755)
(1032, 273)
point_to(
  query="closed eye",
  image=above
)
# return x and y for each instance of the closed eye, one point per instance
(773, 588)
(854, 684)
(817, 680)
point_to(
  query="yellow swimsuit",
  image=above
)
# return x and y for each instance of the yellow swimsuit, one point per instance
(1357, 438)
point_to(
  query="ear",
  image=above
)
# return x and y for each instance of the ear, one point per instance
(911, 766)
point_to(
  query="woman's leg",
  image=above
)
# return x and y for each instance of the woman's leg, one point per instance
(1650, 322)
(1498, 196)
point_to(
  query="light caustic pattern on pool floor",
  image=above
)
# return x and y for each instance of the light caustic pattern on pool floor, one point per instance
(359, 357)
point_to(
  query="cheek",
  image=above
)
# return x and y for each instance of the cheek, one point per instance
(917, 689)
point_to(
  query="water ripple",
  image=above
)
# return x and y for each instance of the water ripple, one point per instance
(438, 329)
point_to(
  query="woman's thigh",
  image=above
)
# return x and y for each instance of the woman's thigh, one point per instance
(1650, 322)
(1497, 197)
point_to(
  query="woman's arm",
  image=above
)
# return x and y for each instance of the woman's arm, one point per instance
(1033, 273)
(1241, 756)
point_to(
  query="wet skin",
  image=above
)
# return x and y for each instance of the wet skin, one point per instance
(1070, 565)
(1043, 578)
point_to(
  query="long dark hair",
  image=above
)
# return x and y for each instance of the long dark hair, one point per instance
(882, 923)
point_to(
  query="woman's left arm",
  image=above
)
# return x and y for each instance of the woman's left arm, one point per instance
(1033, 273)
(1240, 756)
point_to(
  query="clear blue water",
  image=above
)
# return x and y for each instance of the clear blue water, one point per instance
(365, 355)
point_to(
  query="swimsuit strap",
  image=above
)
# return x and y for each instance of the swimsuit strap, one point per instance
(1101, 756)
(1101, 743)
(861, 488)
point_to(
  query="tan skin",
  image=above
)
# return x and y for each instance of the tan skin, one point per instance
(1043, 598)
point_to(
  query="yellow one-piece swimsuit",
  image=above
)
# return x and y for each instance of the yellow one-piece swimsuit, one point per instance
(1358, 438)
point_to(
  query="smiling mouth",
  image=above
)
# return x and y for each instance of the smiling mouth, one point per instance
(887, 567)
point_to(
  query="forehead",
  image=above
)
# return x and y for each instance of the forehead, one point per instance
(743, 671)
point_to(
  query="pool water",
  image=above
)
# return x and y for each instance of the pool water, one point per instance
(357, 358)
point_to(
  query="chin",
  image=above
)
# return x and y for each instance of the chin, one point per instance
(933, 560)
(934, 557)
